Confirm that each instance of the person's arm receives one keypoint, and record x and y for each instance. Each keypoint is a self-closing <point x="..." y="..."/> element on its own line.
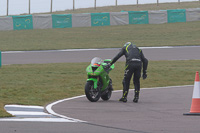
<point x="120" y="54"/>
<point x="145" y="65"/>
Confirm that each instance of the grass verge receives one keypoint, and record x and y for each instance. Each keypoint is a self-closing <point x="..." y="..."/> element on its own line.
<point x="40" y="84"/>
<point x="140" y="7"/>
<point x="174" y="34"/>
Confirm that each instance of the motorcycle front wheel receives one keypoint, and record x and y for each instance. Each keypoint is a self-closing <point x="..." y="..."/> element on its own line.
<point x="92" y="94"/>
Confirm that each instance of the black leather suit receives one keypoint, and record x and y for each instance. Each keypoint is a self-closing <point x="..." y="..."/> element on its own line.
<point x="134" y="62"/>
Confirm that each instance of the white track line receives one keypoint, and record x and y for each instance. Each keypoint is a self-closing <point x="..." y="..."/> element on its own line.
<point x="61" y="118"/>
<point x="72" y="50"/>
<point x="31" y="114"/>
<point x="50" y="110"/>
<point x="16" y="113"/>
<point x="64" y="50"/>
<point x="38" y="120"/>
<point x="47" y="116"/>
<point x="24" y="106"/>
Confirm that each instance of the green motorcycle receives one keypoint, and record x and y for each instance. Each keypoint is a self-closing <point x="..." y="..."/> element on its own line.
<point x="98" y="83"/>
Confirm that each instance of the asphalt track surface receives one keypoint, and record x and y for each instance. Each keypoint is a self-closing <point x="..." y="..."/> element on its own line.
<point x="160" y="110"/>
<point x="60" y="56"/>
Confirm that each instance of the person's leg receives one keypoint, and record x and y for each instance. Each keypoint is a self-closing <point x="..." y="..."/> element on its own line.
<point x="126" y="82"/>
<point x="125" y="91"/>
<point x="136" y="81"/>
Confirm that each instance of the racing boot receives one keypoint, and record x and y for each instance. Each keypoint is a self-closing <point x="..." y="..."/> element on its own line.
<point x="124" y="97"/>
<point x="136" y="97"/>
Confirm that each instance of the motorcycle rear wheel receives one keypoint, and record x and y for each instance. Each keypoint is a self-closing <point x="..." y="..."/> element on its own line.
<point x="92" y="94"/>
<point x="106" y="96"/>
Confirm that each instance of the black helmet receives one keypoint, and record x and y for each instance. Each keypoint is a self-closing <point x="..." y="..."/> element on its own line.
<point x="127" y="43"/>
<point x="130" y="43"/>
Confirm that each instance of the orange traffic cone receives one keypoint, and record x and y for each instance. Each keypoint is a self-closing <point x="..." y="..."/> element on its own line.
<point x="195" y="107"/>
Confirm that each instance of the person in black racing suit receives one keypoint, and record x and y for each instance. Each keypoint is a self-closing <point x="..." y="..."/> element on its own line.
<point x="134" y="61"/>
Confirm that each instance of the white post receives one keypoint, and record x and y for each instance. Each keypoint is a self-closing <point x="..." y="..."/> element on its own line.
<point x="95" y="4"/>
<point x="29" y="7"/>
<point x="116" y="3"/>
<point x="73" y="5"/>
<point x="51" y="10"/>
<point x="7" y="6"/>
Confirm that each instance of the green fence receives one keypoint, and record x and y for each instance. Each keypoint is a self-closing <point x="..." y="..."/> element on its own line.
<point x="62" y="20"/>
<point x="138" y="17"/>
<point x="100" y="19"/>
<point x="22" y="22"/>
<point x="176" y="15"/>
<point x="0" y="59"/>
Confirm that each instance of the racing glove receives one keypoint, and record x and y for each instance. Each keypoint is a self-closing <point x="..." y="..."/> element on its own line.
<point x="107" y="66"/>
<point x="144" y="75"/>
